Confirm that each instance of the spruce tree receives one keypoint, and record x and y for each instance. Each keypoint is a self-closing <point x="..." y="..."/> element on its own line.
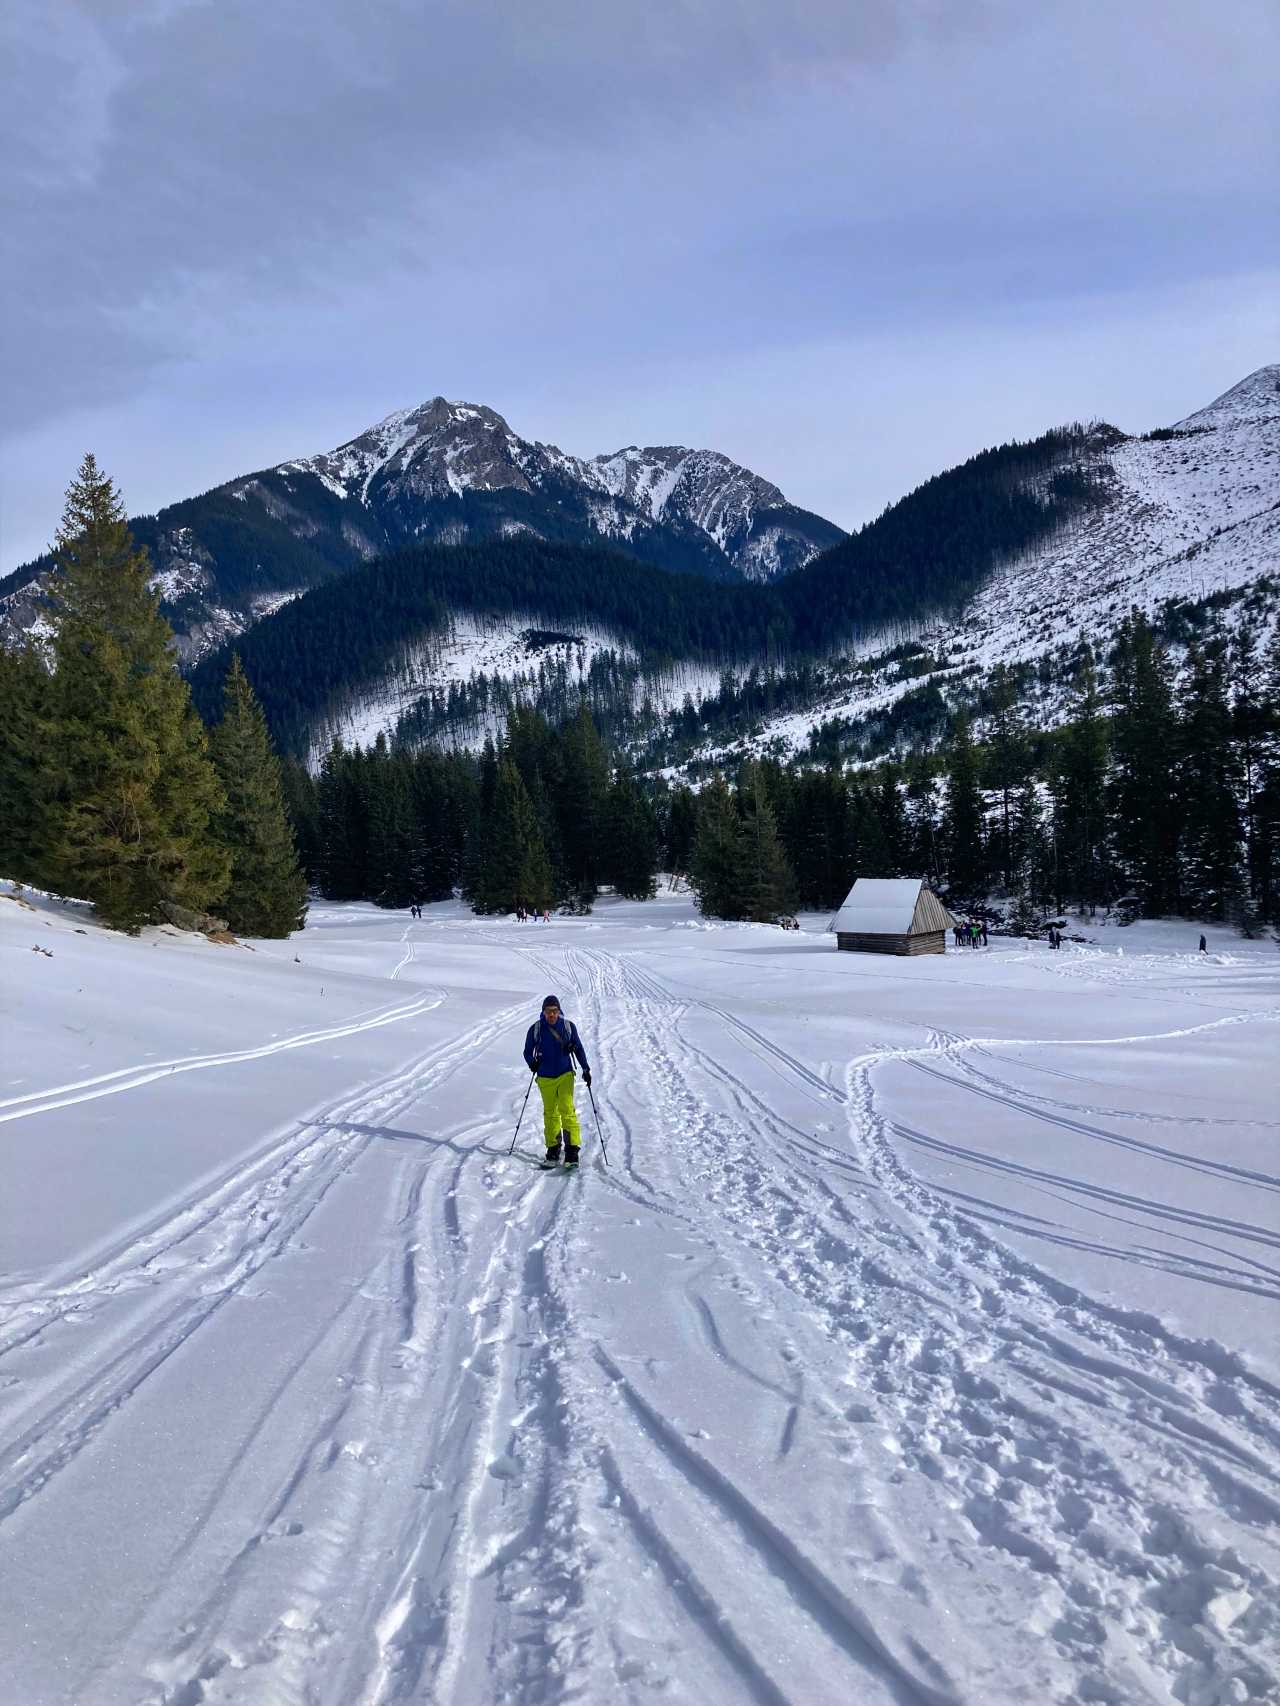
<point x="302" y="808"/>
<point x="1143" y="802"/>
<point x="769" y="887"/>
<point x="24" y="710"/>
<point x="872" y="856"/>
<point x="344" y="825"/>
<point x="517" y="868"/>
<point x="1007" y="762"/>
<point x="267" y="893"/>
<point x="717" y="871"/>
<point x="922" y="821"/>
<point x="132" y="790"/>
<point x="1266" y="820"/>
<point x="682" y="827"/>
<point x="1208" y="786"/>
<point x="581" y="805"/>
<point x="630" y="832"/>
<point x="963" y="819"/>
<point x="893" y="820"/>
<point x="1078" y="789"/>
<point x="391" y="876"/>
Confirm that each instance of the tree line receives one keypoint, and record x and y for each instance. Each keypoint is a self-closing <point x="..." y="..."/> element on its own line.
<point x="1159" y="793"/>
<point x="111" y="788"/>
<point x="544" y="817"/>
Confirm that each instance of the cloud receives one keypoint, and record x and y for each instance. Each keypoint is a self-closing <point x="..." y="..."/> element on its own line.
<point x="279" y="213"/>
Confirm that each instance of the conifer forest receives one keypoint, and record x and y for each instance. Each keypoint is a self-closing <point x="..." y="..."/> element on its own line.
<point x="1158" y="791"/>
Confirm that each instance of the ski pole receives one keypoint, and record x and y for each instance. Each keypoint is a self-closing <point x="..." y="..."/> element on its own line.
<point x="599" y="1133"/>
<point x="515" y="1134"/>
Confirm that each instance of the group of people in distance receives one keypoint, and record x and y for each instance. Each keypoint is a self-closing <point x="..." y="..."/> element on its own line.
<point x="524" y="914"/>
<point x="971" y="935"/>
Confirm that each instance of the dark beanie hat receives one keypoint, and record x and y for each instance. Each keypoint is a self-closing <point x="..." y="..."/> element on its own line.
<point x="551" y="1001"/>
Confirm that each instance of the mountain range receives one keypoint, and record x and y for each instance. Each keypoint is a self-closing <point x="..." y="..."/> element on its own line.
<point x="448" y="472"/>
<point x="421" y="576"/>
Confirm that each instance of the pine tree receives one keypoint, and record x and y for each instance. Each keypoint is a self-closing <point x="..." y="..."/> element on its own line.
<point x="1078" y="790"/>
<point x="302" y="808"/>
<point x="517" y="868"/>
<point x="717" y="871"/>
<point x="1007" y="762"/>
<point x="631" y="840"/>
<point x="1143" y="727"/>
<point x="24" y="711"/>
<point x="963" y="820"/>
<point x="893" y="820"/>
<point x="1248" y="727"/>
<point x="682" y="827"/>
<point x="267" y="894"/>
<point x="132" y="789"/>
<point x="1208" y="788"/>
<point x="344" y="826"/>
<point x="769" y="888"/>
<point x="923" y="831"/>
<point x="581" y="805"/>
<point x="1025" y="918"/>
<point x="872" y="856"/>
<point x="1266" y="819"/>
<point x="391" y="875"/>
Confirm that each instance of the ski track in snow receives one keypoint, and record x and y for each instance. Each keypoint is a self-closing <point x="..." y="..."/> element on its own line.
<point x="471" y="1480"/>
<point x="133" y="1077"/>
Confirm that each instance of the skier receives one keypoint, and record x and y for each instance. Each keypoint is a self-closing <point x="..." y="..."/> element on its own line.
<point x="550" y="1048"/>
<point x="1204" y="946"/>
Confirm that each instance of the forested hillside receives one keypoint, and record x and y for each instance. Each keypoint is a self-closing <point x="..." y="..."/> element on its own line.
<point x="924" y="555"/>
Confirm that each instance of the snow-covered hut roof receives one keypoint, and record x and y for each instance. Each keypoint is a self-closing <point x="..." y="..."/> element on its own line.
<point x="890" y="906"/>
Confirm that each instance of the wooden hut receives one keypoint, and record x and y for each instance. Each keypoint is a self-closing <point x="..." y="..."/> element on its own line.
<point x="892" y="915"/>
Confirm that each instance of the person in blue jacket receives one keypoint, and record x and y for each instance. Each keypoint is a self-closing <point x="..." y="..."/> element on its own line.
<point x="550" y="1049"/>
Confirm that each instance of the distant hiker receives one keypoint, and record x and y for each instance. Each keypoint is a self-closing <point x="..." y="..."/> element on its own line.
<point x="546" y="915"/>
<point x="550" y="1048"/>
<point x="959" y="934"/>
<point x="1204" y="946"/>
<point x="984" y="932"/>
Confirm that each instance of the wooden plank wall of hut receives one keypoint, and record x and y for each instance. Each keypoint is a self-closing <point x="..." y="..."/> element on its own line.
<point x="930" y="942"/>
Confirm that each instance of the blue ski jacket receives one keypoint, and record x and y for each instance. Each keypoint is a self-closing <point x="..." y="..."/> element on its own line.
<point x="552" y="1048"/>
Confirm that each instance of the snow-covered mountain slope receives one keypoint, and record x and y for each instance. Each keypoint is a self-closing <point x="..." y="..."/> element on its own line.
<point x="1191" y="511"/>
<point x="417" y="457"/>
<point x="512" y="649"/>
<point x="916" y="1347"/>
<point x="447" y="472"/>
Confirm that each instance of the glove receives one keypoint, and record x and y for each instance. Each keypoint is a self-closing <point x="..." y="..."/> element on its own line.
<point x="586" y="1076"/>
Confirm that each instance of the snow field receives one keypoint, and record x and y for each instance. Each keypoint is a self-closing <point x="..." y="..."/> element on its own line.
<point x="917" y="1345"/>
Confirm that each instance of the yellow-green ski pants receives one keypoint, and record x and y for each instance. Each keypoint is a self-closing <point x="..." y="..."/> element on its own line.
<point x="558" y="1112"/>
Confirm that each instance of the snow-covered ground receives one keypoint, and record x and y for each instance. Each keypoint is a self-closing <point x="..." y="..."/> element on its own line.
<point x="918" y="1344"/>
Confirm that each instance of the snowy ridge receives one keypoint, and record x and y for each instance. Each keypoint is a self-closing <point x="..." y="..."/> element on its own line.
<point x="1189" y="514"/>
<point x="702" y="487"/>
<point x="443" y="449"/>
<point x="957" y="1385"/>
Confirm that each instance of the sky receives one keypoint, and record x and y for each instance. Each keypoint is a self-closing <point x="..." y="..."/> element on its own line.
<point x="846" y="244"/>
